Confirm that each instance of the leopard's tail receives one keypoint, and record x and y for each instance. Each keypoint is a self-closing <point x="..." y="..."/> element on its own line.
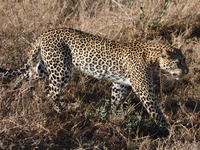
<point x="25" y="67"/>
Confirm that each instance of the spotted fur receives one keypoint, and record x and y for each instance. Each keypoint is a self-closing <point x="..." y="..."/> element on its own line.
<point x="124" y="64"/>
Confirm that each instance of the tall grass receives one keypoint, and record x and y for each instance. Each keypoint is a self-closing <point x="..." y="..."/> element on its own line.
<point x="27" y="118"/>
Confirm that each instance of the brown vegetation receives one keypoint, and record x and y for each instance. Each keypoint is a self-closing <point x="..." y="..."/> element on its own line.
<point x="27" y="119"/>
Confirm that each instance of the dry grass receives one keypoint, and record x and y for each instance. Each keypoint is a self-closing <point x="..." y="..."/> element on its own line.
<point x="27" y="120"/>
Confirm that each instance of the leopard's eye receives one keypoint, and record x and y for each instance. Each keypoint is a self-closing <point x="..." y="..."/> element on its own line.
<point x="179" y="65"/>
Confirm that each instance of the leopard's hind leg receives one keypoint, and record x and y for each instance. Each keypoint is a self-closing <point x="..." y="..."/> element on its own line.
<point x="59" y="74"/>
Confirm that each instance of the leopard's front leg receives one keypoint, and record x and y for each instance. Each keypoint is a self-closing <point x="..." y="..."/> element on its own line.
<point x="142" y="84"/>
<point x="150" y="103"/>
<point x="117" y="94"/>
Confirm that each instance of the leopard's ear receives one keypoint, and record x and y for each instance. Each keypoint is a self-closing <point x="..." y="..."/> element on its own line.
<point x="178" y="46"/>
<point x="164" y="53"/>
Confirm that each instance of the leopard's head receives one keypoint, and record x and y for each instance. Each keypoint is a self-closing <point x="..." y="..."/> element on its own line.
<point x="173" y="61"/>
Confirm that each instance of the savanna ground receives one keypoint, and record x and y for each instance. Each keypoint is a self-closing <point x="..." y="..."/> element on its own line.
<point x="27" y="120"/>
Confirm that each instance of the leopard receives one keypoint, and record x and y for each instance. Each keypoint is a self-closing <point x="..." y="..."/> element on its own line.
<point x="125" y="64"/>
